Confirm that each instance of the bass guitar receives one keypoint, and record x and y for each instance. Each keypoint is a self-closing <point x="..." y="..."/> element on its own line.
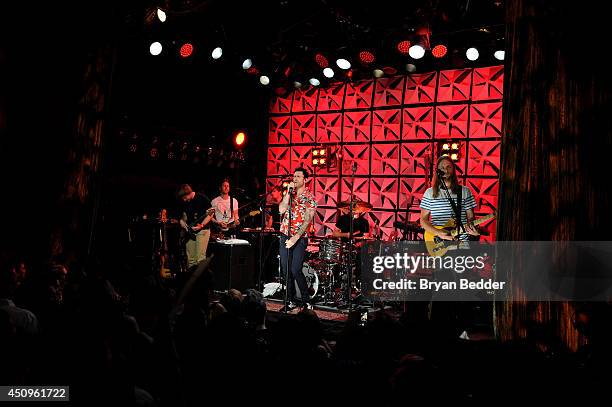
<point x="190" y="230"/>
<point x="436" y="246"/>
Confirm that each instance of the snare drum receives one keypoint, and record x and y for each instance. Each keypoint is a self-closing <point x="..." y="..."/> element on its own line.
<point x="331" y="251"/>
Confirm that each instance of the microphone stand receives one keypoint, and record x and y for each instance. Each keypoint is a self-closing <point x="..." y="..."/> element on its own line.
<point x="289" y="253"/>
<point x="351" y="241"/>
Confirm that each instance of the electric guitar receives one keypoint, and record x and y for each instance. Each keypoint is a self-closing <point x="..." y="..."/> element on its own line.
<point x="231" y="225"/>
<point x="436" y="246"/>
<point x="190" y="230"/>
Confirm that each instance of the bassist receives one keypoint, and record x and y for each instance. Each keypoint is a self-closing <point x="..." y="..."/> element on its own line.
<point x="194" y="206"/>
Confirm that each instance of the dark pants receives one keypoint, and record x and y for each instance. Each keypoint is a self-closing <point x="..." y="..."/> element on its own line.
<point x="295" y="272"/>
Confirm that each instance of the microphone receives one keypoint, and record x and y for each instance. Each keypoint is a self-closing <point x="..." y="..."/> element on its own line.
<point x="440" y="173"/>
<point x="290" y="190"/>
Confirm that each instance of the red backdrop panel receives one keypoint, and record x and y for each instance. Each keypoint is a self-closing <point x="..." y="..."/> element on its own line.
<point x="325" y="221"/>
<point x="451" y="121"/>
<point x="359" y="95"/>
<point x="383" y="193"/>
<point x="418" y="123"/>
<point x="303" y="129"/>
<point x="488" y="83"/>
<point x="411" y="192"/>
<point x="301" y="157"/>
<point x="484" y="158"/>
<point x="385" y="159"/>
<point x="331" y="98"/>
<point x="360" y="154"/>
<point x="454" y="85"/>
<point x="421" y="88"/>
<point x="485" y="192"/>
<point x="486" y="120"/>
<point x="280" y="130"/>
<point x="329" y="127"/>
<point x="386" y="125"/>
<point x="356" y="127"/>
<point x="279" y="161"/>
<point x="415" y="158"/>
<point x="281" y="104"/>
<point x="326" y="191"/>
<point x="389" y="91"/>
<point x="384" y="219"/>
<point x="361" y="189"/>
<point x="305" y="100"/>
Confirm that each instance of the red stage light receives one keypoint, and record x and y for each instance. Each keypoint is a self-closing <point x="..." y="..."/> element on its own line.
<point x="186" y="50"/>
<point x="321" y="61"/>
<point x="439" y="51"/>
<point x="366" y="57"/>
<point x="239" y="139"/>
<point x="253" y="71"/>
<point x="403" y="46"/>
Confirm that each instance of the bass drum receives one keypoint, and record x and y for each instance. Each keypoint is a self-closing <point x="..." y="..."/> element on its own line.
<point x="312" y="280"/>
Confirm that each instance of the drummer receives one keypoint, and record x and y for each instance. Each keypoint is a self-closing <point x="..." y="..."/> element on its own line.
<point x="361" y="227"/>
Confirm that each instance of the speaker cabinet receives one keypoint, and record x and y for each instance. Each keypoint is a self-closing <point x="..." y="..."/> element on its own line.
<point x="232" y="266"/>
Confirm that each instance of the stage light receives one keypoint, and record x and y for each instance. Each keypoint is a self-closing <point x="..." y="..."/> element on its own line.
<point x="217" y="53"/>
<point x="389" y="70"/>
<point x="445" y="146"/>
<point x="155" y="48"/>
<point x="322" y="151"/>
<point x="499" y="55"/>
<point x="322" y="161"/>
<point x="416" y="51"/>
<point x="186" y="50"/>
<point x="403" y="47"/>
<point x="314" y="81"/>
<point x="315" y="161"/>
<point x="297" y="84"/>
<point x="454" y="146"/>
<point x="247" y="63"/>
<point x="321" y="61"/>
<point x="439" y="51"/>
<point x="472" y="54"/>
<point x="239" y="139"/>
<point x="411" y="68"/>
<point x="450" y="149"/>
<point x="252" y="71"/>
<point x="161" y="14"/>
<point x="264" y="80"/>
<point x="366" y="57"/>
<point x="315" y="153"/>
<point x="328" y="73"/>
<point x="454" y="156"/>
<point x="378" y="73"/>
<point x="343" y="63"/>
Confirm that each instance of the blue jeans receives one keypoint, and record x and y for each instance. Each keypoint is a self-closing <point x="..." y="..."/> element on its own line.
<point x="295" y="273"/>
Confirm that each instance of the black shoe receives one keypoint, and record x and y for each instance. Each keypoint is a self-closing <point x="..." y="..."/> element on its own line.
<point x="307" y="305"/>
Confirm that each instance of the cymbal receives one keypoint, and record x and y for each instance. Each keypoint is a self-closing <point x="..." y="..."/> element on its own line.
<point x="364" y="238"/>
<point x="358" y="206"/>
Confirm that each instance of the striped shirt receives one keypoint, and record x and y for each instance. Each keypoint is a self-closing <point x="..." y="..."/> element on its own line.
<point x="442" y="211"/>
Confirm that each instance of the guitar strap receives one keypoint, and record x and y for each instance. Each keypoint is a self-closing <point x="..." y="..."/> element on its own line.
<point x="458" y="214"/>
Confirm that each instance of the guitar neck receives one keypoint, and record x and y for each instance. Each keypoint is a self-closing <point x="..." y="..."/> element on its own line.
<point x="483" y="219"/>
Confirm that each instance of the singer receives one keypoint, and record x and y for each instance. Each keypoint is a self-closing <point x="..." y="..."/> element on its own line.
<point x="435" y="205"/>
<point x="294" y="240"/>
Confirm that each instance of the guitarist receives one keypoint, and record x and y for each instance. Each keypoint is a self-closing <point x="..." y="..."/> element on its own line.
<point x="436" y="210"/>
<point x="194" y="206"/>
<point x="226" y="208"/>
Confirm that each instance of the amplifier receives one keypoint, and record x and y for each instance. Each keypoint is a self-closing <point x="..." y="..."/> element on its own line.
<point x="232" y="266"/>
